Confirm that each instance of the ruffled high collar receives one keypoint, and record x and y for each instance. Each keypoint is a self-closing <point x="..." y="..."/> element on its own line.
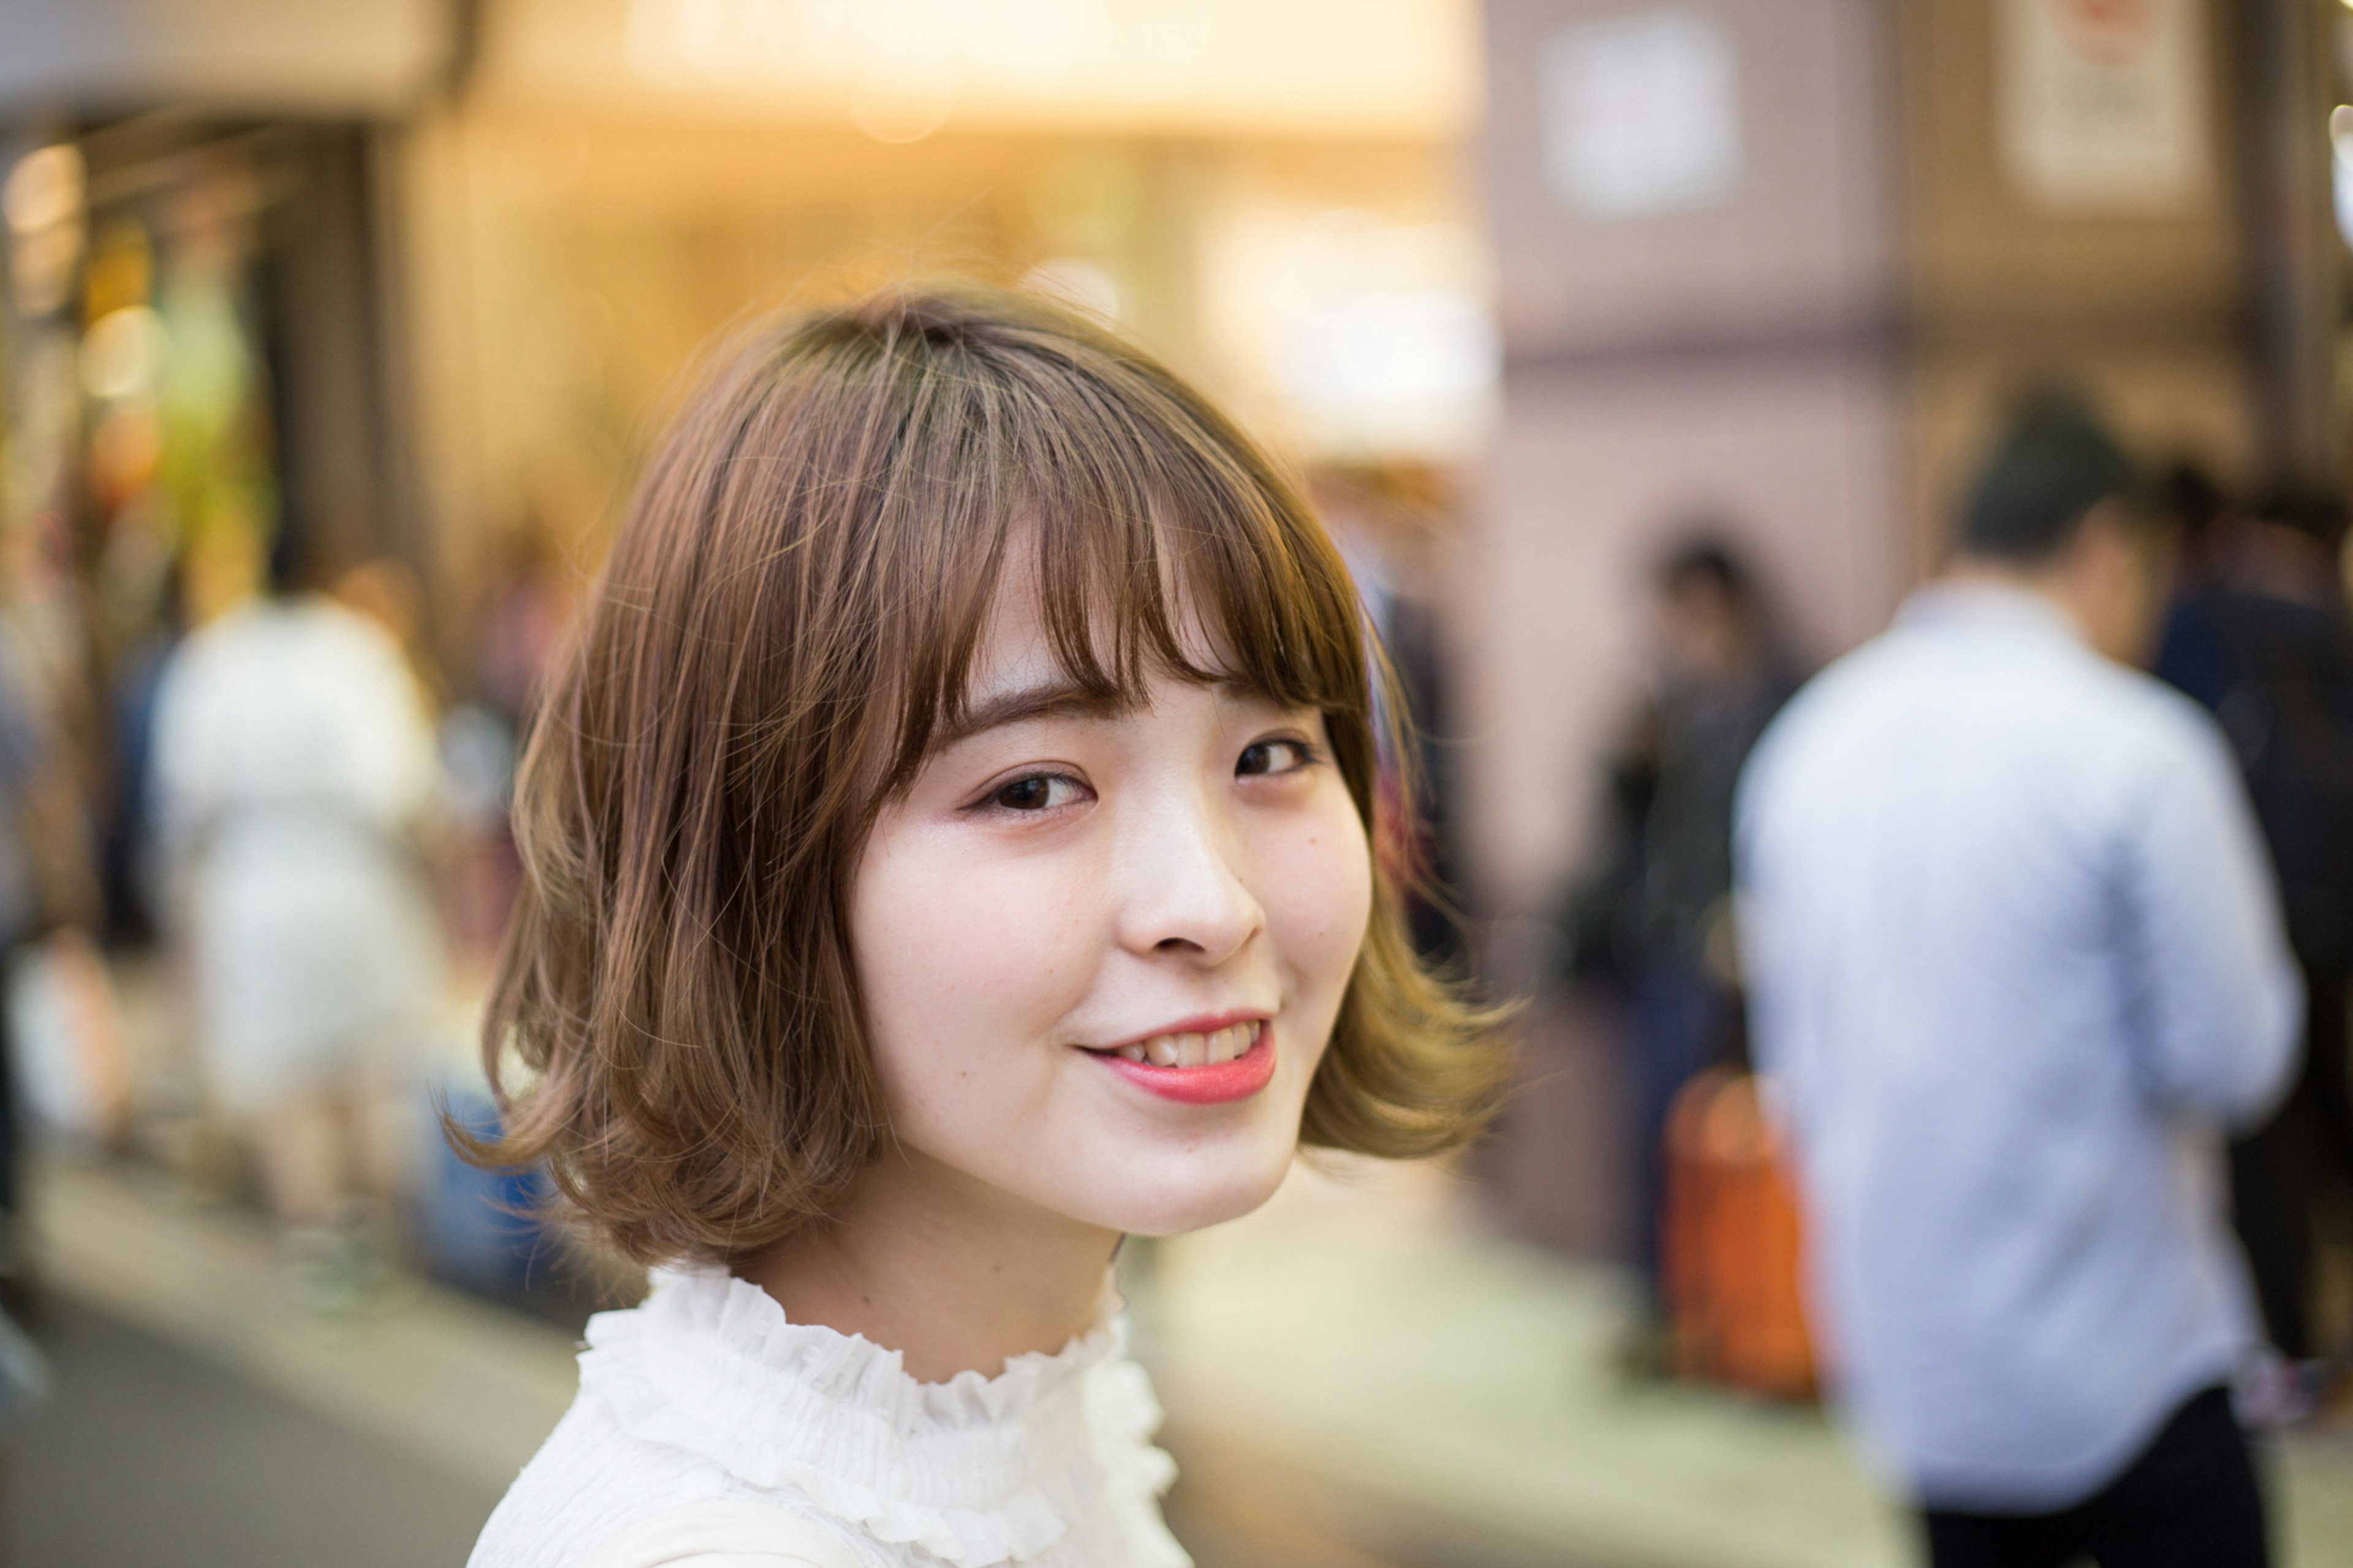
<point x="975" y="1470"/>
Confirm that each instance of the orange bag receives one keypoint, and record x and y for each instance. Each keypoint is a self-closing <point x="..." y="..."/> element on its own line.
<point x="1731" y="1243"/>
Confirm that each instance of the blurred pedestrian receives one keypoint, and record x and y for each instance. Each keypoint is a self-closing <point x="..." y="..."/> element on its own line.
<point x="390" y="594"/>
<point x="527" y="610"/>
<point x="1657" y="915"/>
<point x="48" y="885"/>
<point x="293" y="760"/>
<point x="2261" y="642"/>
<point x="526" y="613"/>
<point x="1386" y="521"/>
<point x="2015" y="961"/>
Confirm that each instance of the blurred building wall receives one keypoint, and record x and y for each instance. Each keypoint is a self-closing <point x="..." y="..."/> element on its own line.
<point x="1714" y="335"/>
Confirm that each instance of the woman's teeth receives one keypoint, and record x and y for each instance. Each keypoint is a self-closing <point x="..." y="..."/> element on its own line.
<point x="1193" y="1050"/>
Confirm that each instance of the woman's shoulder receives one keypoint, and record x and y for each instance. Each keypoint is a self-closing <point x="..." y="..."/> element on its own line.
<point x="613" y="1487"/>
<point x="590" y="1484"/>
<point x="705" y="1396"/>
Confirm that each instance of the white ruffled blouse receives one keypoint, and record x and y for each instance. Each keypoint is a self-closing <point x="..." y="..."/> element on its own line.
<point x="705" y="1398"/>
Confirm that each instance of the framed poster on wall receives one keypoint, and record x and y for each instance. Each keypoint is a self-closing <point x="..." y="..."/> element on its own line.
<point x="2103" y="104"/>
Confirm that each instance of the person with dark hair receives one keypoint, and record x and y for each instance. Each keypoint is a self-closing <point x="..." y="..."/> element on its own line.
<point x="2015" y="962"/>
<point x="2263" y="642"/>
<point x="1656" y="916"/>
<point x="2186" y="498"/>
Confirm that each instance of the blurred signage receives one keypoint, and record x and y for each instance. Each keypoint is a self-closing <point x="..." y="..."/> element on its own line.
<point x="1642" y="114"/>
<point x="337" y="56"/>
<point x="2103" y="102"/>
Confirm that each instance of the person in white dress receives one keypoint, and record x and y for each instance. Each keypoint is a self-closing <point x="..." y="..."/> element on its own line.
<point x="946" y="851"/>
<point x="293" y="759"/>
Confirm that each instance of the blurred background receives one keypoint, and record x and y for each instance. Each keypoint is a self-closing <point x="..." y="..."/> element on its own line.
<point x="1621" y="343"/>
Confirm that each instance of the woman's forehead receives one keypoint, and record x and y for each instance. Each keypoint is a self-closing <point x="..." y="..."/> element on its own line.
<point x="1038" y="687"/>
<point x="1017" y="673"/>
<point x="1017" y="645"/>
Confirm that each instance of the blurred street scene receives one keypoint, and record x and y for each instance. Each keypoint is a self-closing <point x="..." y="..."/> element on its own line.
<point x="1639" y="354"/>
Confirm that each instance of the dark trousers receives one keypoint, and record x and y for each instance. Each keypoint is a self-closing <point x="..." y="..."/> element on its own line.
<point x="2188" y="1502"/>
<point x="1678" y="1029"/>
<point x="2280" y="1172"/>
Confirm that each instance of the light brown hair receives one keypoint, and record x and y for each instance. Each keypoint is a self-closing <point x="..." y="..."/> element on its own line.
<point x="780" y="638"/>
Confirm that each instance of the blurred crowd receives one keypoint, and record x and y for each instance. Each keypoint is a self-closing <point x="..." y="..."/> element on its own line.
<point x="1981" y="960"/>
<point x="307" y="829"/>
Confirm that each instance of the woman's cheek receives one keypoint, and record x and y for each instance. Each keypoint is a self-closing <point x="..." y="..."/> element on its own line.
<point x="1320" y="894"/>
<point x="963" y="954"/>
<point x="989" y="937"/>
<point x="1029" y="922"/>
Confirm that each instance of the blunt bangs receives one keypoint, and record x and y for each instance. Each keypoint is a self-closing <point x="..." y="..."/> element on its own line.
<point x="1138" y="512"/>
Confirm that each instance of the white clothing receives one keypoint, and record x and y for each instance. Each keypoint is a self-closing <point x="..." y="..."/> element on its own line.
<point x="2014" y="957"/>
<point x="706" y="1401"/>
<point x="726" y="1535"/>
<point x="291" y="753"/>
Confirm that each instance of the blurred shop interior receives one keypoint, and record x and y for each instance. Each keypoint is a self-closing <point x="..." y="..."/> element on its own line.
<point x="1526" y="290"/>
<point x="417" y="280"/>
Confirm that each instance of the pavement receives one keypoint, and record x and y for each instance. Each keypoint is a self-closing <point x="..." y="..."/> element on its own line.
<point x="1358" y="1377"/>
<point x="1363" y="1323"/>
<point x="151" y="1455"/>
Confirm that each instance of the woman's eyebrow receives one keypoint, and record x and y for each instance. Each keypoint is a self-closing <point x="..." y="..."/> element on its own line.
<point x="1061" y="699"/>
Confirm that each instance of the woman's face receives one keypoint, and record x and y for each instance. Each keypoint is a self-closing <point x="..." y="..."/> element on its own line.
<point x="1102" y="950"/>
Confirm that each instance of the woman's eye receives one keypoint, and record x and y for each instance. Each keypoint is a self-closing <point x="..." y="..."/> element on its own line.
<point x="1036" y="792"/>
<point x="1273" y="757"/>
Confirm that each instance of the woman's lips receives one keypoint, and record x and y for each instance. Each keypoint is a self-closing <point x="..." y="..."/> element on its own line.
<point x="1210" y="1082"/>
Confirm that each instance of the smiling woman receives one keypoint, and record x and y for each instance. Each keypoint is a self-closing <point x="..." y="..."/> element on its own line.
<point x="946" y="851"/>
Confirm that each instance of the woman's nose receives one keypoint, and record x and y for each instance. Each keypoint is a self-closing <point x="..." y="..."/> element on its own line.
<point x="1184" y="891"/>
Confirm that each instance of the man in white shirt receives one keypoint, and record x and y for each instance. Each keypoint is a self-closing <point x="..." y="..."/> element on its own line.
<point x="2015" y="962"/>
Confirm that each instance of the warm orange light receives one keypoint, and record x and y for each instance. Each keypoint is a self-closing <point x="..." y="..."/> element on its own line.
<point x="1380" y="67"/>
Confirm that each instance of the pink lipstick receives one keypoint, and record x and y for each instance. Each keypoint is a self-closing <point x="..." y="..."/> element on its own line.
<point x="1208" y="1083"/>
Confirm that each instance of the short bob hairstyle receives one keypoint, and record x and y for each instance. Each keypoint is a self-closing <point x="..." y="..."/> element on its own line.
<point x="780" y="638"/>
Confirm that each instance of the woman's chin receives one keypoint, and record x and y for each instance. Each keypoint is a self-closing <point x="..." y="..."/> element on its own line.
<point x="1181" y="1206"/>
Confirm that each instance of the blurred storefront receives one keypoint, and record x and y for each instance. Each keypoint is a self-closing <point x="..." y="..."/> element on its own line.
<point x="194" y="334"/>
<point x="419" y="279"/>
<point x="196" y="306"/>
<point x="1272" y="197"/>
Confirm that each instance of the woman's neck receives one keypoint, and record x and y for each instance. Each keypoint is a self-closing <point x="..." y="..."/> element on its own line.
<point x="952" y="1274"/>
